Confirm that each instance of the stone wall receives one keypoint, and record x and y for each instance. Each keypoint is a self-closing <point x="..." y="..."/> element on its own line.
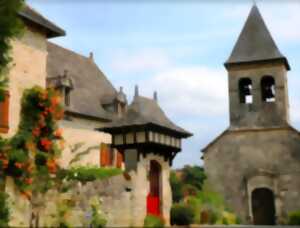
<point x="242" y="161"/>
<point x="28" y="69"/>
<point x="83" y="131"/>
<point x="254" y="115"/>
<point x="122" y="200"/>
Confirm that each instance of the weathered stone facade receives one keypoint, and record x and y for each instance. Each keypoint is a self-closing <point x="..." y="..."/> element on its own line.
<point x="76" y="131"/>
<point x="23" y="74"/>
<point x="258" y="156"/>
<point x="242" y="161"/>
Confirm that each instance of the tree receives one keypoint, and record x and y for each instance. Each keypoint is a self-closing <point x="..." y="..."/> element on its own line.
<point x="193" y="175"/>
<point x="176" y="187"/>
<point x="10" y="27"/>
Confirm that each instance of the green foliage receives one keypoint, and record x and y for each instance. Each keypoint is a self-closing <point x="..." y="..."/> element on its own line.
<point x="193" y="175"/>
<point x="195" y="204"/>
<point x="188" y="182"/>
<point x="98" y="220"/>
<point x="85" y="173"/>
<point x="176" y="186"/>
<point x="4" y="210"/>
<point x="10" y="27"/>
<point x="189" y="190"/>
<point x="181" y="214"/>
<point x="153" y="221"/>
<point x="294" y="218"/>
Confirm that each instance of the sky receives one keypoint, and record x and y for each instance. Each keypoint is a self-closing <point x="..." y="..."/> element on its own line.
<point x="177" y="48"/>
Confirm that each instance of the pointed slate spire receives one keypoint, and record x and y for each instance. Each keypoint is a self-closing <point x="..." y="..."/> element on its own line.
<point x="255" y="43"/>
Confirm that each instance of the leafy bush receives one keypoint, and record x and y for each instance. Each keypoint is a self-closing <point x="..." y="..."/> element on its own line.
<point x="153" y="221"/>
<point x="98" y="221"/>
<point x="181" y="214"/>
<point x="189" y="190"/>
<point x="193" y="175"/>
<point x="176" y="186"/>
<point x="4" y="210"/>
<point x="189" y="181"/>
<point x="85" y="174"/>
<point x="294" y="218"/>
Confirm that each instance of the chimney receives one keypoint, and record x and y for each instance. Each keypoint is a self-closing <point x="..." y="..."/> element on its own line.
<point x="155" y="96"/>
<point x="136" y="91"/>
<point x="91" y="57"/>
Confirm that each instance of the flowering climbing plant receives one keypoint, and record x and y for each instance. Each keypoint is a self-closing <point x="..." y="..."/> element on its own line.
<point x="30" y="157"/>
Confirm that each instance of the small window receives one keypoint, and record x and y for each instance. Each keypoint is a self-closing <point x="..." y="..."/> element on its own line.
<point x="107" y="155"/>
<point x="4" y="113"/>
<point x="268" y="89"/>
<point x="67" y="97"/>
<point x="245" y="91"/>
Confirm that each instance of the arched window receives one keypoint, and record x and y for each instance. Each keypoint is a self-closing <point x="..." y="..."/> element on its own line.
<point x="245" y="91"/>
<point x="268" y="89"/>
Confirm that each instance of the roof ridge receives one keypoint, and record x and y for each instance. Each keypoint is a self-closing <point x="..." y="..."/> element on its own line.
<point x="31" y="14"/>
<point x="69" y="50"/>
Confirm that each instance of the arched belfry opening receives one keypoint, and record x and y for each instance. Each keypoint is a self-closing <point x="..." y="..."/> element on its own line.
<point x="245" y="91"/>
<point x="268" y="89"/>
<point x="263" y="206"/>
<point x="155" y="189"/>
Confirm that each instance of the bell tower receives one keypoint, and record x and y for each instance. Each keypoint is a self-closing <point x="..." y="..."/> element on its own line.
<point x="257" y="76"/>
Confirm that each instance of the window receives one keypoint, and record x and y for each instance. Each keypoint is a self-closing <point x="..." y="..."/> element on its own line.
<point x="245" y="91"/>
<point x="67" y="96"/>
<point x="107" y="155"/>
<point x="4" y="113"/>
<point x="268" y="89"/>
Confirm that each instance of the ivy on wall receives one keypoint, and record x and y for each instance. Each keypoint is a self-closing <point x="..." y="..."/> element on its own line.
<point x="30" y="157"/>
<point x="10" y="27"/>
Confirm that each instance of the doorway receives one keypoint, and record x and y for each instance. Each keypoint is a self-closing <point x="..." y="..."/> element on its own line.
<point x="154" y="196"/>
<point x="263" y="207"/>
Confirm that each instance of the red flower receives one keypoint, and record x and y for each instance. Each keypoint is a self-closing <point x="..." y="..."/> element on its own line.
<point x="19" y="165"/>
<point x="52" y="166"/>
<point x="46" y="143"/>
<point x="36" y="132"/>
<point x="55" y="101"/>
<point x="4" y="163"/>
<point x="58" y="133"/>
<point x="28" y="181"/>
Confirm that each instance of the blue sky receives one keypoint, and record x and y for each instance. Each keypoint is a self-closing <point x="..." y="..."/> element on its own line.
<point x="177" y="48"/>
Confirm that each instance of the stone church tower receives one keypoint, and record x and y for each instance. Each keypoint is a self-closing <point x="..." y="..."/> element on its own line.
<point x="255" y="163"/>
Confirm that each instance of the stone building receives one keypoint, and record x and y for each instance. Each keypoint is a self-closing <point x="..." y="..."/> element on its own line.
<point x="255" y="163"/>
<point x="91" y="103"/>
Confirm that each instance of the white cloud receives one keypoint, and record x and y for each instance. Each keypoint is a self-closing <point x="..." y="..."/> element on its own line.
<point x="140" y="61"/>
<point x="190" y="91"/>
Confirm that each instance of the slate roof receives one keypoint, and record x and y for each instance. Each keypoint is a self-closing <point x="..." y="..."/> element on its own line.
<point x="145" y="111"/>
<point x="33" y="16"/>
<point x="89" y="84"/>
<point x="255" y="43"/>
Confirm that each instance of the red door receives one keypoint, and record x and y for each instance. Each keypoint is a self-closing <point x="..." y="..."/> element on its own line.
<point x="153" y="198"/>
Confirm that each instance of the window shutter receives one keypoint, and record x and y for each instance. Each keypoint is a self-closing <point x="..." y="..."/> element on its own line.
<point x="103" y="155"/>
<point x="119" y="159"/>
<point x="4" y="114"/>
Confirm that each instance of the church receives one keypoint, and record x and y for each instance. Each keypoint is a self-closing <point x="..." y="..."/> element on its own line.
<point x="255" y="162"/>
